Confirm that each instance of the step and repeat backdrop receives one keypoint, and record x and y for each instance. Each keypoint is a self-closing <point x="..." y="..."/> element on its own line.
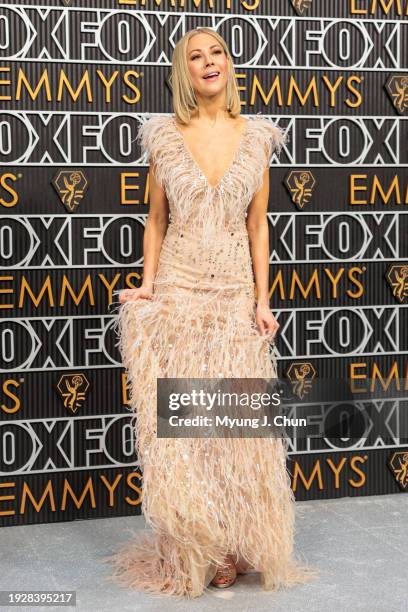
<point x="76" y="78"/>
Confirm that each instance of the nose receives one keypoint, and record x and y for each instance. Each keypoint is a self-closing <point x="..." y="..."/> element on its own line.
<point x="208" y="60"/>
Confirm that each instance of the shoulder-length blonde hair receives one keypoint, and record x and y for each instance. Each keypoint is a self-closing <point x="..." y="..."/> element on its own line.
<point x="184" y="100"/>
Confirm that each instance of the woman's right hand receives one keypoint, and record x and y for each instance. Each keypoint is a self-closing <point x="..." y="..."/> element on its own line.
<point x="130" y="295"/>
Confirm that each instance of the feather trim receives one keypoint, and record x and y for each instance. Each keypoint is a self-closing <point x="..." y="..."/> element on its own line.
<point x="153" y="148"/>
<point x="275" y="136"/>
<point x="162" y="145"/>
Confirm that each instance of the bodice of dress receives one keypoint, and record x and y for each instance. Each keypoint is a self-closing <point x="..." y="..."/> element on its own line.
<point x="195" y="204"/>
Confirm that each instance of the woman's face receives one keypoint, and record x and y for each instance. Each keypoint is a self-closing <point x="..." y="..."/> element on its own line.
<point x="205" y="56"/>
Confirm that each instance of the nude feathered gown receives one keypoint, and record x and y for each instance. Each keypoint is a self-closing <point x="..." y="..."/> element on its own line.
<point x="204" y="498"/>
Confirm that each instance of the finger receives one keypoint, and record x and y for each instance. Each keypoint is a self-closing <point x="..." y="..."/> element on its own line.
<point x="268" y="329"/>
<point x="261" y="327"/>
<point x="275" y="331"/>
<point x="127" y="297"/>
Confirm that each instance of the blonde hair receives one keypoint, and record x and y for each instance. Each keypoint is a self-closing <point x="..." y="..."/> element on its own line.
<point x="184" y="99"/>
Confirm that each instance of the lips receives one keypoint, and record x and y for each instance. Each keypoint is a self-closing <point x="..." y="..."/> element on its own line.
<point x="211" y="75"/>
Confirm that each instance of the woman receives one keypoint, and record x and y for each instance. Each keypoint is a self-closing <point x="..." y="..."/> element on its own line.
<point x="217" y="507"/>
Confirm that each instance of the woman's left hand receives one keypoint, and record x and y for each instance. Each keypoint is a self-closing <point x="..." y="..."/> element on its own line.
<point x="266" y="322"/>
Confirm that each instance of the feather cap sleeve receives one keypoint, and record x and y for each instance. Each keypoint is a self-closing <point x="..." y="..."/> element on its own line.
<point x="272" y="136"/>
<point x="150" y="136"/>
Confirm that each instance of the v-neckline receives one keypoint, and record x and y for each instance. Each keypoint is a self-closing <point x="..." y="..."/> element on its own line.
<point x="196" y="164"/>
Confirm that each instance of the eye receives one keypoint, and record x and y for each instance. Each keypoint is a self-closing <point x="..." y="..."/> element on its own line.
<point x="193" y="57"/>
<point x="218" y="51"/>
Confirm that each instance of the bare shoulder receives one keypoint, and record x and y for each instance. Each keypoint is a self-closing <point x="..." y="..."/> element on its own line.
<point x="241" y="121"/>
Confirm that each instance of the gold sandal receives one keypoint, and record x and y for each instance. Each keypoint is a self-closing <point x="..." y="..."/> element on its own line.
<point x="225" y="576"/>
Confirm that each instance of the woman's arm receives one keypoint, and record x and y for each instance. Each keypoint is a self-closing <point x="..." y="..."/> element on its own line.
<point x="258" y="232"/>
<point x="155" y="230"/>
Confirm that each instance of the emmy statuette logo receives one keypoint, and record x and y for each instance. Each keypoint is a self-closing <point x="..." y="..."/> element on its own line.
<point x="301" y="6"/>
<point x="73" y="389"/>
<point x="300" y="184"/>
<point x="301" y="376"/>
<point x="398" y="464"/>
<point x="397" y="277"/>
<point x="71" y="186"/>
<point x="397" y="89"/>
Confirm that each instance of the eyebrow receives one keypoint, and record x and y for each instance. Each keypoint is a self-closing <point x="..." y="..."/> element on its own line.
<point x="217" y="45"/>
